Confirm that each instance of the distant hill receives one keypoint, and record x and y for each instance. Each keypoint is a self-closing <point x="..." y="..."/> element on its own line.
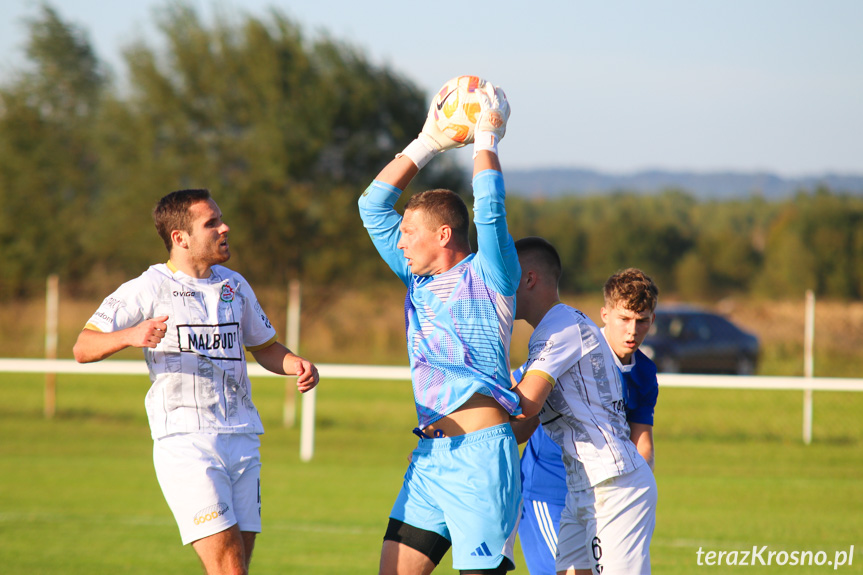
<point x="554" y="182"/>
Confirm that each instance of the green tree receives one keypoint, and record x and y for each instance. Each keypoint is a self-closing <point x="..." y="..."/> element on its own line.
<point x="729" y="245"/>
<point x="815" y="244"/>
<point x="648" y="232"/>
<point x="285" y="132"/>
<point x="48" y="163"/>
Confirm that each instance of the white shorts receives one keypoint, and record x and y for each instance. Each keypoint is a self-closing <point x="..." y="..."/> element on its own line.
<point x="210" y="481"/>
<point x="608" y="528"/>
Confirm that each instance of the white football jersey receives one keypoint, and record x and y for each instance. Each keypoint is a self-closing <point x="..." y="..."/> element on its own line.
<point x="198" y="371"/>
<point x="584" y="412"/>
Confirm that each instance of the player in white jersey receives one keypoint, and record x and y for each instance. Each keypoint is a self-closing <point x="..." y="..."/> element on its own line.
<point x="630" y="298"/>
<point x="462" y="487"/>
<point x="192" y="317"/>
<point x="573" y="385"/>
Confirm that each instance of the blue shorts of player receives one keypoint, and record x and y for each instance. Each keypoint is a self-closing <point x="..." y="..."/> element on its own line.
<point x="537" y="531"/>
<point x="467" y="490"/>
<point x="544" y="491"/>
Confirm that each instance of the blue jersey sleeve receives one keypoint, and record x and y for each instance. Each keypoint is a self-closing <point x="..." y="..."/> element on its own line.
<point x="496" y="255"/>
<point x="642" y="390"/>
<point x="382" y="221"/>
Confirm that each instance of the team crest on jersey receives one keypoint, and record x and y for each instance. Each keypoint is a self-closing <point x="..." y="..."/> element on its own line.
<point x="227" y="294"/>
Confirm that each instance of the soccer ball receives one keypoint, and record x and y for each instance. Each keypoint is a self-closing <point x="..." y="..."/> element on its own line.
<point x="456" y="108"/>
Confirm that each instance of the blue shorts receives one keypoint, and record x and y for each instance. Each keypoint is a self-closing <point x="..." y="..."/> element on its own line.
<point x="537" y="531"/>
<point x="467" y="489"/>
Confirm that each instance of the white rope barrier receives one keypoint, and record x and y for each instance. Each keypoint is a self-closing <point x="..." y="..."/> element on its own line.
<point x="396" y="373"/>
<point x="399" y="373"/>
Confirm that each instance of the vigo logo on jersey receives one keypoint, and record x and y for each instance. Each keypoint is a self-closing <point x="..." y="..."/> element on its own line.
<point x="220" y="341"/>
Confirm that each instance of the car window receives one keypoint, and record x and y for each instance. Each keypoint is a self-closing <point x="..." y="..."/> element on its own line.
<point x="722" y="327"/>
<point x="697" y="328"/>
<point x="692" y="326"/>
<point x="667" y="325"/>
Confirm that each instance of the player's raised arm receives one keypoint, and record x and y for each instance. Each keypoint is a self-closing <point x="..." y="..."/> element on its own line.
<point x="432" y="140"/>
<point x="455" y="102"/>
<point x="494" y="243"/>
<point x="490" y="128"/>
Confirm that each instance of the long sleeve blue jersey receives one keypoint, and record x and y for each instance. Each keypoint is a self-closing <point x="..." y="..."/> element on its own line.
<point x="459" y="322"/>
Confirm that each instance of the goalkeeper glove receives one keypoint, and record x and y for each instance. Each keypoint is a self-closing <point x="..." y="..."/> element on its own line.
<point x="431" y="140"/>
<point x="491" y="124"/>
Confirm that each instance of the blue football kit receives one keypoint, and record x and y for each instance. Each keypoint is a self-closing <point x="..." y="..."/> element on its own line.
<point x="458" y="327"/>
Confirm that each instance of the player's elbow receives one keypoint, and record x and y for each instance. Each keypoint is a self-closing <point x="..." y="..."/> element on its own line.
<point x="529" y="408"/>
<point x="81" y="351"/>
<point x="79" y="355"/>
<point x="532" y="393"/>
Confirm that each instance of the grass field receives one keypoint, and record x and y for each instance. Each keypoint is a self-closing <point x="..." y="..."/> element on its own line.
<point x="78" y="493"/>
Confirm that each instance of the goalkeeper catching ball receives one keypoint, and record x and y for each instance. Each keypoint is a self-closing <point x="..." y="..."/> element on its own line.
<point x="462" y="487"/>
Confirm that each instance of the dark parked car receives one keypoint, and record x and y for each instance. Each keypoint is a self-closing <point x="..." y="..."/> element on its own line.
<point x="687" y="339"/>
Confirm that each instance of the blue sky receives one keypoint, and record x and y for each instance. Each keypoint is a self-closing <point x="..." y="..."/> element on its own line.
<point x="757" y="85"/>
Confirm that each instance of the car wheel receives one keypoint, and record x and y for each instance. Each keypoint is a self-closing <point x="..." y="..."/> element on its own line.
<point x="669" y="365"/>
<point x="745" y="366"/>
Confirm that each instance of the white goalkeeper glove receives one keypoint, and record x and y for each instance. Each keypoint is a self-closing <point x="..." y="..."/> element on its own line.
<point x="491" y="124"/>
<point x="431" y="140"/>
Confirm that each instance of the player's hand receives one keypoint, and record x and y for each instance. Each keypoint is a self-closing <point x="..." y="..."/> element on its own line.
<point x="307" y="375"/>
<point x="494" y="111"/>
<point x="149" y="332"/>
<point x="432" y="137"/>
<point x="431" y="141"/>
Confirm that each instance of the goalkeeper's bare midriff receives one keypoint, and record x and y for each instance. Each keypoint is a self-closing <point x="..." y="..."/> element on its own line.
<point x="478" y="412"/>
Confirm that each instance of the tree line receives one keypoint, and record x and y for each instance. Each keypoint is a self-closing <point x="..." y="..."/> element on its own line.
<point x="286" y="131"/>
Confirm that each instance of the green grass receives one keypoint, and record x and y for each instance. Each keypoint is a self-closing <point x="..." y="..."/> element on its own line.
<point x="78" y="493"/>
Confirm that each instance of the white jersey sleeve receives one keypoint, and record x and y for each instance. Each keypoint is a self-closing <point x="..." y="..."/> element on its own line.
<point x="555" y="347"/>
<point x="128" y="306"/>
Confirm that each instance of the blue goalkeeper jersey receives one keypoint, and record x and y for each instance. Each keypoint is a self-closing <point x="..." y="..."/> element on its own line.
<point x="459" y="322"/>
<point x="543" y="475"/>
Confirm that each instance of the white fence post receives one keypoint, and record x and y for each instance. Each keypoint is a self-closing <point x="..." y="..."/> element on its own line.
<point x="289" y="410"/>
<point x="808" y="365"/>
<point x="307" y="431"/>
<point x="52" y="309"/>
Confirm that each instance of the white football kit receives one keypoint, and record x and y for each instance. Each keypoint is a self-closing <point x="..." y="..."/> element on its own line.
<point x="585" y="414"/>
<point x="200" y="388"/>
<point x="198" y="371"/>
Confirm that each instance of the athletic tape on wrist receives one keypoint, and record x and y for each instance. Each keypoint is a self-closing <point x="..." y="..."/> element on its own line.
<point x="484" y="141"/>
<point x="419" y="153"/>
